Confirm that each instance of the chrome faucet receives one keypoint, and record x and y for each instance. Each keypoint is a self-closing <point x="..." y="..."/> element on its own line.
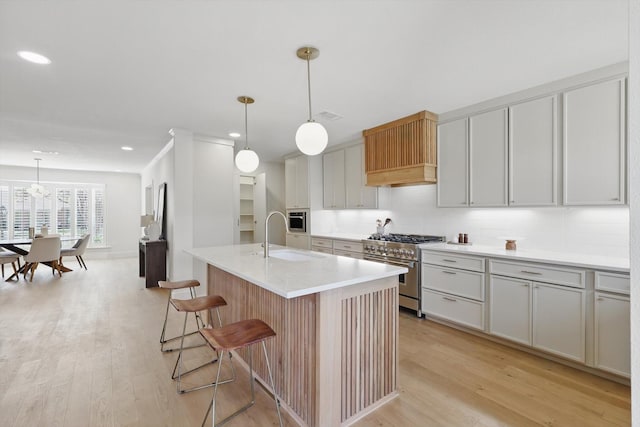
<point x="266" y="230"/>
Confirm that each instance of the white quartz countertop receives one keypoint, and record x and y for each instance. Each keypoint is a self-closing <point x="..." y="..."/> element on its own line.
<point x="341" y="236"/>
<point x="314" y="272"/>
<point x="595" y="262"/>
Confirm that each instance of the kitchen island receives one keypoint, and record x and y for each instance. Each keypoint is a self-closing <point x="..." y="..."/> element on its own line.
<point x="336" y="320"/>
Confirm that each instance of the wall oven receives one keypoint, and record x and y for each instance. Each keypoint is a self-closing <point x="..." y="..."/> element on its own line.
<point x="297" y="220"/>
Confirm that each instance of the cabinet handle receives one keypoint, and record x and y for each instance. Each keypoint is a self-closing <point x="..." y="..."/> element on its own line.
<point x="615" y="199"/>
<point x="347" y="246"/>
<point x="448" y="272"/>
<point x="449" y="299"/>
<point x="531" y="272"/>
<point x="449" y="260"/>
<point x="600" y="299"/>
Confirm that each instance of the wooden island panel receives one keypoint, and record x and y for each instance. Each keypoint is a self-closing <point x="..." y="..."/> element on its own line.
<point x="334" y="357"/>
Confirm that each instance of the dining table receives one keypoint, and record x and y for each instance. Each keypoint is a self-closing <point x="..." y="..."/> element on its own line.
<point x="17" y="245"/>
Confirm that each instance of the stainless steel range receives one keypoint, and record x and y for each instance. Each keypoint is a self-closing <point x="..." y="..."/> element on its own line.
<point x="402" y="250"/>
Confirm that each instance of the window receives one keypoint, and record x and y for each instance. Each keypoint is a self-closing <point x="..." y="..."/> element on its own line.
<point x="5" y="204"/>
<point x="68" y="210"/>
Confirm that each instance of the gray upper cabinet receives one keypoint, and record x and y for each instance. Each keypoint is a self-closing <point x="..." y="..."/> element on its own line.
<point x="594" y="144"/>
<point x="453" y="178"/>
<point x="532" y="153"/>
<point x="296" y="180"/>
<point x="333" y="183"/>
<point x="488" y="159"/>
<point x="358" y="195"/>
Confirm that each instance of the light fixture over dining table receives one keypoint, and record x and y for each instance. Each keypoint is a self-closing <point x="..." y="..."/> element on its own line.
<point x="311" y="137"/>
<point x="246" y="160"/>
<point x="36" y="190"/>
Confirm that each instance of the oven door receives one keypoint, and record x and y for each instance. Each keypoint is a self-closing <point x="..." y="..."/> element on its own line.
<point x="297" y="222"/>
<point x="409" y="285"/>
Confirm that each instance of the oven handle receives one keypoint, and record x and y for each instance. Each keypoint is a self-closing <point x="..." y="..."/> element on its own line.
<point x="408" y="264"/>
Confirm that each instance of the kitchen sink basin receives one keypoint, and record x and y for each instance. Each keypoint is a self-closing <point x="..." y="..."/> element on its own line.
<point x="289" y="255"/>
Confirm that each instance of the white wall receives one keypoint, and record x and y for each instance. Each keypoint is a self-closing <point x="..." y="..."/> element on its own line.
<point x="596" y="230"/>
<point x="198" y="171"/>
<point x="634" y="195"/>
<point x="122" y="202"/>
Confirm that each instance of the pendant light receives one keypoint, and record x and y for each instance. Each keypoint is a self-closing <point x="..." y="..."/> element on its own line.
<point x="311" y="137"/>
<point x="246" y="160"/>
<point x="36" y="190"/>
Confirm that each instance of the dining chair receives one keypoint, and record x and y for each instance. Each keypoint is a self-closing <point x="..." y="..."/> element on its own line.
<point x="43" y="249"/>
<point x="7" y="257"/>
<point x="77" y="250"/>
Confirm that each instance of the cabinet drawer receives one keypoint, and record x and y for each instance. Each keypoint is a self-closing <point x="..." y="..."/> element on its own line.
<point x="612" y="282"/>
<point x="321" y="242"/>
<point x="452" y="281"/>
<point x="357" y="255"/>
<point x="321" y="249"/>
<point x="459" y="310"/>
<point x="346" y="245"/>
<point x="539" y="273"/>
<point x="454" y="261"/>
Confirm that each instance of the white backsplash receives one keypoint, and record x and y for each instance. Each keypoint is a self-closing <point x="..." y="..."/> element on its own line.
<point x="591" y="230"/>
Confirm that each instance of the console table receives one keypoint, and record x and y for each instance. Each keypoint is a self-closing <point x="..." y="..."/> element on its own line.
<point x="152" y="256"/>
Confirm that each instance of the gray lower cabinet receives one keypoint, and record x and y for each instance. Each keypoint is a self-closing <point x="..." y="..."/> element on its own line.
<point x="510" y="309"/>
<point x="612" y="343"/>
<point x="453" y="288"/>
<point x="340" y="247"/>
<point x="537" y="305"/>
<point x="544" y="316"/>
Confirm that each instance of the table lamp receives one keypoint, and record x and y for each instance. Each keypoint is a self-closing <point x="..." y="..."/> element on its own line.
<point x="147" y="222"/>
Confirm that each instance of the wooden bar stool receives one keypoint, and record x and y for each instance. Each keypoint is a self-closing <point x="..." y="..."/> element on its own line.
<point x="196" y="305"/>
<point x="234" y="336"/>
<point x="171" y="286"/>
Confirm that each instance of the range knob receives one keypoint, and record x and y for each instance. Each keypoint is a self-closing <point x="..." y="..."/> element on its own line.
<point x="411" y="253"/>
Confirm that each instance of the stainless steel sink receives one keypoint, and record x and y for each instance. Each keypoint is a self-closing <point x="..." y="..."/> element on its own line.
<point x="291" y="255"/>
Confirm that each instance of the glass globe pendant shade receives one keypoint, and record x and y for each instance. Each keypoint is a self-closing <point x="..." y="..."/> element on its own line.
<point x="38" y="191"/>
<point x="247" y="160"/>
<point x="311" y="138"/>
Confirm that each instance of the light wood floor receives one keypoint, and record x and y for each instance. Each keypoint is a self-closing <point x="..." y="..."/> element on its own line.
<point x="83" y="351"/>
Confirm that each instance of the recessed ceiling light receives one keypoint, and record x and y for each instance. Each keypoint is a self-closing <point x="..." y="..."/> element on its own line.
<point x="36" y="58"/>
<point x="44" y="152"/>
<point x="234" y="135"/>
<point x="125" y="148"/>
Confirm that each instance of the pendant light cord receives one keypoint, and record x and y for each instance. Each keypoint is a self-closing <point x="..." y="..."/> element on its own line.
<point x="246" y="131"/>
<point x="309" y="84"/>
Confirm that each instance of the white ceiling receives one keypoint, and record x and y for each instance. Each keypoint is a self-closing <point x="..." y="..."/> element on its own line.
<point x="125" y="72"/>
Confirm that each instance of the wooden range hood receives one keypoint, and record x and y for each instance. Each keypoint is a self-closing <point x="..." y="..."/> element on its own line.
<point x="402" y="152"/>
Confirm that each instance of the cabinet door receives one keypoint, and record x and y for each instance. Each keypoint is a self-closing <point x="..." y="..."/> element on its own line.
<point x="532" y="153"/>
<point x="594" y="144"/>
<point x="488" y="159"/>
<point x="302" y="182"/>
<point x="357" y="194"/>
<point x="453" y="164"/>
<point x="290" y="179"/>
<point x="559" y="320"/>
<point x="298" y="241"/>
<point x="333" y="180"/>
<point x="296" y="182"/>
<point x="510" y="309"/>
<point x="612" y="334"/>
